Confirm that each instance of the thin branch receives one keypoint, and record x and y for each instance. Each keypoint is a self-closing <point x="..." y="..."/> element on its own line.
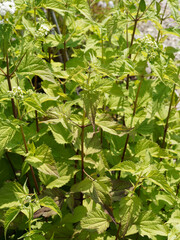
<point x="130" y="14"/>
<point x="31" y="168"/>
<point x="4" y="74"/>
<point x="82" y="153"/>
<point x="10" y="86"/>
<point x="146" y="9"/>
<point x="134" y="112"/>
<point x="137" y="95"/>
<point x="132" y="40"/>
<point x="162" y="19"/>
<point x="177" y="190"/>
<point x="12" y="167"/>
<point x="168" y="116"/>
<point x="119" y="228"/>
<point x="17" y="65"/>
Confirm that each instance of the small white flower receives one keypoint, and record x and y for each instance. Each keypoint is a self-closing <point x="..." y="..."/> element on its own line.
<point x="178" y="106"/>
<point x="8" y="6"/>
<point x="2" y="21"/>
<point x="2" y="10"/>
<point x="111" y="4"/>
<point x="43" y="30"/>
<point x="100" y="4"/>
<point x="104" y="5"/>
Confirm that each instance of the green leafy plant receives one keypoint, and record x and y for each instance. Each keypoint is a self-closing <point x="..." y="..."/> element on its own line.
<point x="89" y="120"/>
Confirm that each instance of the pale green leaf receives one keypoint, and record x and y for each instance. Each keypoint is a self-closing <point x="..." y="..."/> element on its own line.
<point x="127" y="166"/>
<point x="83" y="7"/>
<point x="150" y="225"/>
<point x="153" y="148"/>
<point x="11" y="194"/>
<point x="59" y="182"/>
<point x="54" y="5"/>
<point x="33" y="103"/>
<point x="78" y="214"/>
<point x="128" y="211"/>
<point x="112" y="127"/>
<point x="82" y="186"/>
<point x="32" y="65"/>
<point x="95" y="220"/>
<point x="61" y="132"/>
<point x="43" y="160"/>
<point x="50" y="203"/>
<point x="10" y="215"/>
<point x="7" y="132"/>
<point x="157" y="178"/>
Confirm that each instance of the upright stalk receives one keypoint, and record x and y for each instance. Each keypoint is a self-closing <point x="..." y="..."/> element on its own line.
<point x="177" y="190"/>
<point x="35" y="78"/>
<point x="26" y="150"/>
<point x="102" y="47"/>
<point x="10" y="86"/>
<point x="16" y="113"/>
<point x="82" y="151"/>
<point x="132" y="40"/>
<point x="9" y="160"/>
<point x="134" y="112"/>
<point x="167" y="119"/>
<point x="118" y="231"/>
<point x="36" y="113"/>
<point x="162" y="18"/>
<point x="64" y="49"/>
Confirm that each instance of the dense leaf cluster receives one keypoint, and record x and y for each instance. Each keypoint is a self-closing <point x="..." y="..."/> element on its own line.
<point x="89" y="123"/>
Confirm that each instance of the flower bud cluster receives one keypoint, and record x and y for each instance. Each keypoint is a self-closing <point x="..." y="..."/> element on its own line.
<point x="8" y="6"/>
<point x="16" y="93"/>
<point x="149" y="45"/>
<point x="43" y="30"/>
<point x="104" y="4"/>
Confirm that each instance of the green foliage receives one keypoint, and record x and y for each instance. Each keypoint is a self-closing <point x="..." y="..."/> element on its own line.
<point x="89" y="121"/>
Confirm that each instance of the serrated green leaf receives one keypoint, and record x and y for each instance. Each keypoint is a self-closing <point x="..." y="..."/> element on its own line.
<point x="100" y="194"/>
<point x="11" y="194"/>
<point x="59" y="182"/>
<point x="156" y="177"/>
<point x="127" y="166"/>
<point x="150" y="225"/>
<point x="128" y="212"/>
<point x="61" y="133"/>
<point x="7" y="132"/>
<point x="92" y="144"/>
<point x="78" y="214"/>
<point x="50" y="203"/>
<point x="95" y="220"/>
<point x="153" y="148"/>
<point x="112" y="127"/>
<point x="10" y="215"/>
<point x="83" y="7"/>
<point x="33" y="103"/>
<point x="43" y="160"/>
<point x="82" y="186"/>
<point x="54" y="5"/>
<point x="32" y="65"/>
